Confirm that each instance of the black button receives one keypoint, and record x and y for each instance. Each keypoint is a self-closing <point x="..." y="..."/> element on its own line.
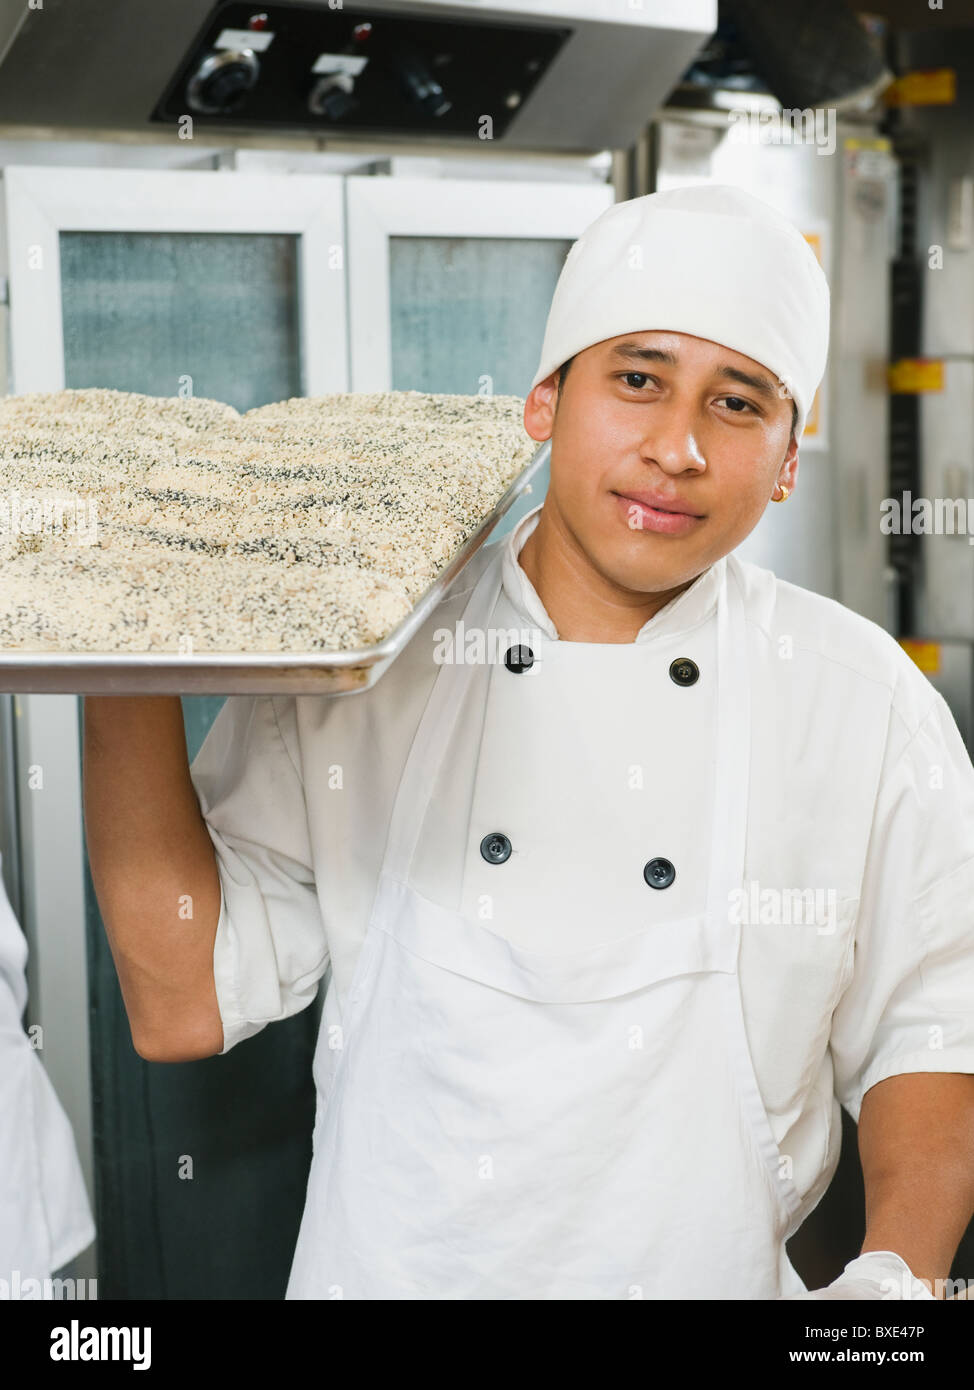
<point x="519" y="659"/>
<point x="659" y="873"/>
<point x="495" y="848"/>
<point x="684" y="671"/>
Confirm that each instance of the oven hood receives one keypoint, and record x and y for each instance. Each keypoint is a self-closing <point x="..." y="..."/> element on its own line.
<point x="566" y="75"/>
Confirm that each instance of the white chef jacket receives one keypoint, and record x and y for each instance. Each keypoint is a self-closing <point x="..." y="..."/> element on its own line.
<point x="45" y="1216"/>
<point x="861" y="791"/>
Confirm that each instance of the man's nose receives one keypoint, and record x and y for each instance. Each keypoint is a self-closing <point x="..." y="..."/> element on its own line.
<point x="670" y="440"/>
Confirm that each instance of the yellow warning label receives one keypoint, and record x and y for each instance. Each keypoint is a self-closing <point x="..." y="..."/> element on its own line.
<point x="854" y="143"/>
<point x="925" y="654"/>
<point x="912" y="375"/>
<point x="929" y="87"/>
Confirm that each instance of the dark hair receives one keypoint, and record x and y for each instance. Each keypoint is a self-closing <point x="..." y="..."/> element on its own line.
<point x="563" y="372"/>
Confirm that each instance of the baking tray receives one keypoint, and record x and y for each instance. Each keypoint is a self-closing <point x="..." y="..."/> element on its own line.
<point x="241" y="673"/>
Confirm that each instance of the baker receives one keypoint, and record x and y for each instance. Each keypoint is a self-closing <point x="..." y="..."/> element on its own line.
<point x="561" y="1056"/>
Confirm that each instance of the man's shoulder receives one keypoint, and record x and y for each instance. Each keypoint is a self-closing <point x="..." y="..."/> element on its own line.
<point x="830" y="635"/>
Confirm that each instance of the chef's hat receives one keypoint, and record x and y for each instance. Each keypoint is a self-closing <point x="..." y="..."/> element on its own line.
<point x="709" y="260"/>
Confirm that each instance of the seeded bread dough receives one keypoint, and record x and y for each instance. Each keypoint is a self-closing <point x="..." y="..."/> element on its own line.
<point x="307" y="525"/>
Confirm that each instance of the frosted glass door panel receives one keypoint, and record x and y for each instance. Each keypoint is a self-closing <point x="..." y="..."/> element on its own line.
<point x="466" y="308"/>
<point x="143" y="310"/>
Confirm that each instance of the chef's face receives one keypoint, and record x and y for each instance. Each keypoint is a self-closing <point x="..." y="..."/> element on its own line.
<point x="670" y="418"/>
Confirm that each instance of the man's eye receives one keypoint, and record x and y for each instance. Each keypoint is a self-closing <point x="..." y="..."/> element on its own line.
<point x="738" y="401"/>
<point x="640" y="379"/>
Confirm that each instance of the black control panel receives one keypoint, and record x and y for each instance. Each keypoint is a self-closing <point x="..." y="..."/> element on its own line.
<point x="318" y="68"/>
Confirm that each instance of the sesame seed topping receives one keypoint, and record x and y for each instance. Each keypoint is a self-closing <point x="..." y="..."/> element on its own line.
<point x="313" y="524"/>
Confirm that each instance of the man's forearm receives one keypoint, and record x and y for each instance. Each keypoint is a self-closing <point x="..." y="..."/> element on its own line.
<point x="152" y="859"/>
<point x="916" y="1143"/>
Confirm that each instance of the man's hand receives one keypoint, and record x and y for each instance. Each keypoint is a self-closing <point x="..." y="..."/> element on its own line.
<point x="880" y="1274"/>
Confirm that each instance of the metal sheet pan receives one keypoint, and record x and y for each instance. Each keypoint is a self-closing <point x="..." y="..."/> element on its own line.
<point x="246" y="673"/>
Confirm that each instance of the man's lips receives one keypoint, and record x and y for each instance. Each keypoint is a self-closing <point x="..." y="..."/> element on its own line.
<point x="660" y="502"/>
<point x="642" y="514"/>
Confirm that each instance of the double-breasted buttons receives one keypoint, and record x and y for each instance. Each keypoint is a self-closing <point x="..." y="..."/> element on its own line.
<point x="519" y="659"/>
<point x="684" y="671"/>
<point x="659" y="873"/>
<point x="495" y="848"/>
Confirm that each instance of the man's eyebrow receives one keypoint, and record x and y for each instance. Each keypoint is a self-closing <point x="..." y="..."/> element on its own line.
<point x="762" y="384"/>
<point x="632" y="352"/>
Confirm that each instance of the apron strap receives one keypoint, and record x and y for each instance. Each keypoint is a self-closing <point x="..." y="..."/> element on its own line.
<point x="733" y="745"/>
<point x="451" y="685"/>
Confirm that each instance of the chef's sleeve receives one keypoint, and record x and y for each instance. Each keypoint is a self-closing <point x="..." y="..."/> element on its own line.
<point x="270" y="950"/>
<point x="909" y="1005"/>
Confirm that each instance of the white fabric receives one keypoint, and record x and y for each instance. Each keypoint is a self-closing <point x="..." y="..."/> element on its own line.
<point x="877" y="1274"/>
<point x="710" y="260"/>
<point x="492" y="1124"/>
<point x="45" y="1216"/>
<point x="860" y="784"/>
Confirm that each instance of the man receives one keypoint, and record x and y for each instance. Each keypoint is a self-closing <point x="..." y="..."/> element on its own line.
<point x="584" y="1037"/>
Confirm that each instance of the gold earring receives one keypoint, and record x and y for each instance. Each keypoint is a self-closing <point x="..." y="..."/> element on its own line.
<point x="784" y="493"/>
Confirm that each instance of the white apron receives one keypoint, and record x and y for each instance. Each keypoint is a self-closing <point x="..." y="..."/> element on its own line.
<point x="496" y="1123"/>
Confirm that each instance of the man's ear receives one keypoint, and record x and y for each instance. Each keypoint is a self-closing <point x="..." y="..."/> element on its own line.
<point x="788" y="473"/>
<point x="539" y="408"/>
